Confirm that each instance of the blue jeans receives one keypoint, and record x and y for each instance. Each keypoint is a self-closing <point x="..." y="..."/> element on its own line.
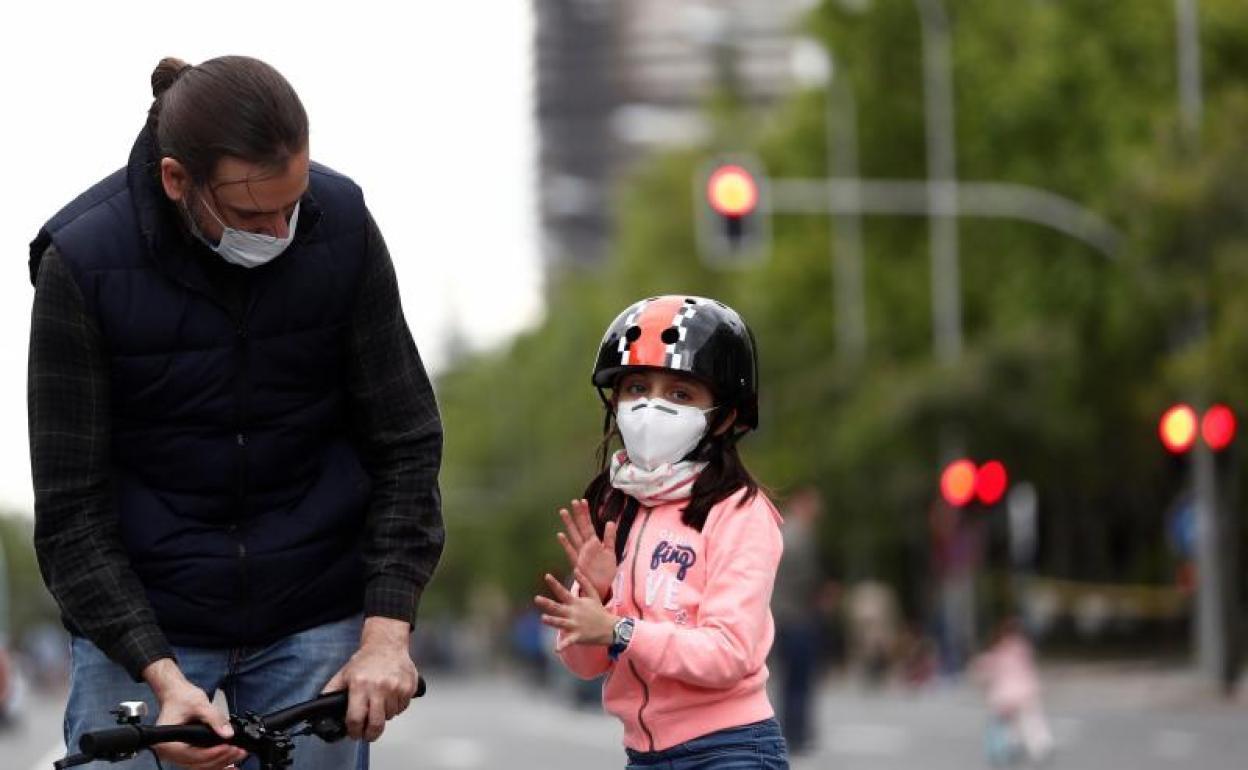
<point x="798" y="646"/>
<point x="759" y="746"/>
<point x="259" y="679"/>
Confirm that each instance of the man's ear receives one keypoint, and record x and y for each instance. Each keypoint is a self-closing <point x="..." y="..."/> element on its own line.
<point x="174" y="179"/>
<point x="728" y="423"/>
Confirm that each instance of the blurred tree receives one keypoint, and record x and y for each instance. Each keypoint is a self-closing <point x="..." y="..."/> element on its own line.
<point x="1069" y="356"/>
<point x="29" y="602"/>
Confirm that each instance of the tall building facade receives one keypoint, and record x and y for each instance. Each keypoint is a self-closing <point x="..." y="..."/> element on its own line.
<point x="617" y="79"/>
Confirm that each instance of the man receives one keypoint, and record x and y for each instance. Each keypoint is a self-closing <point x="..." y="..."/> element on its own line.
<point x="234" y="443"/>
<point x="794" y="605"/>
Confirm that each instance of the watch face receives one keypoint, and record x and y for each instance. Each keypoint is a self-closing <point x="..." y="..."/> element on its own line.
<point x="624" y="630"/>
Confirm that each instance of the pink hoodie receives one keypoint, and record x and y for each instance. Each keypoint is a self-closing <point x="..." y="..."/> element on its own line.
<point x="1007" y="671"/>
<point x="696" y="663"/>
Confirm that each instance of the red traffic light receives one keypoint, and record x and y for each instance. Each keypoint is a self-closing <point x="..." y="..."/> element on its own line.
<point x="1218" y="427"/>
<point x="991" y="481"/>
<point x="732" y="191"/>
<point x="962" y="482"/>
<point x="1178" y="429"/>
<point x="957" y="483"/>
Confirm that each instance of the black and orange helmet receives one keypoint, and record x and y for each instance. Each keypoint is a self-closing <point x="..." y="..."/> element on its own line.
<point x="703" y="337"/>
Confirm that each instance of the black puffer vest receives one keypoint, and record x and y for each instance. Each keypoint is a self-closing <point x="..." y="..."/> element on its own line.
<point x="240" y="495"/>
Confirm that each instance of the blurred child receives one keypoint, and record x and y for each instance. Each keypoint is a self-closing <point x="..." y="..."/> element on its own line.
<point x="1007" y="671"/>
<point x="675" y="547"/>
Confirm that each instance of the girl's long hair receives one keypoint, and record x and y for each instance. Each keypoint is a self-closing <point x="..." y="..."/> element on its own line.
<point x="724" y="475"/>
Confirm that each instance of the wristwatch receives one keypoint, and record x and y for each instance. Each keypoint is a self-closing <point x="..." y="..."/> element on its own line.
<point x="621" y="635"/>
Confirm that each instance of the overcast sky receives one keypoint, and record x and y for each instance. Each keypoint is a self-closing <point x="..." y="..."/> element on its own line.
<point x="425" y="104"/>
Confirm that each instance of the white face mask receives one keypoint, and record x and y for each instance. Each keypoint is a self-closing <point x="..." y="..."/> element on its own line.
<point x="657" y="432"/>
<point x="245" y="249"/>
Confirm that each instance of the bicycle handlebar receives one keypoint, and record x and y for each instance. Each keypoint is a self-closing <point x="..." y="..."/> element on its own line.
<point x="325" y="714"/>
<point x="131" y="738"/>
<point x="332" y="705"/>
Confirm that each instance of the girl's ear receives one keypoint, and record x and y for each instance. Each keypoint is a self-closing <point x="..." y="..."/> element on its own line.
<point x="728" y="422"/>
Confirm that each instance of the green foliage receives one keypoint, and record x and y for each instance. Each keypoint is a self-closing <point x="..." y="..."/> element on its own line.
<point x="28" y="601"/>
<point x="1069" y="357"/>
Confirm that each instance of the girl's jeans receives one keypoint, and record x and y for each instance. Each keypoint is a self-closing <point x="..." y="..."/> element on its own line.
<point x="759" y="746"/>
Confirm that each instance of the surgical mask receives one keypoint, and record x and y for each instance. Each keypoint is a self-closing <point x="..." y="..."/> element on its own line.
<point x="239" y="247"/>
<point x="658" y="432"/>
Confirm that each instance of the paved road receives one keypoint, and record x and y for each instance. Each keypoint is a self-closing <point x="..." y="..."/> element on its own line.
<point x="1140" y="722"/>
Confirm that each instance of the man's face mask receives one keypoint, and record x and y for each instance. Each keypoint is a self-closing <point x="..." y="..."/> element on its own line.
<point x="245" y="249"/>
<point x="657" y="432"/>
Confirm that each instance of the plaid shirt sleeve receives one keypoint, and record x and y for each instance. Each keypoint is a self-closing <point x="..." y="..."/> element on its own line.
<point x="399" y="432"/>
<point x="77" y="541"/>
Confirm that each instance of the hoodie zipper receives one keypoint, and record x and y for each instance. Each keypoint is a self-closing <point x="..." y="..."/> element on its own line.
<point x="645" y="689"/>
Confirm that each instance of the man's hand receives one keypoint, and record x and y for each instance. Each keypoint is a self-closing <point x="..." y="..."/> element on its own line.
<point x="580" y="619"/>
<point x="380" y="678"/>
<point x="183" y="703"/>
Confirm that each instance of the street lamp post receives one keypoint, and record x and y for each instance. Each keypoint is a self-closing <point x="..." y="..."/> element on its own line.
<point x="847" y="249"/>
<point x="1187" y="35"/>
<point x="814" y="66"/>
<point x="941" y="180"/>
<point x="1215" y="594"/>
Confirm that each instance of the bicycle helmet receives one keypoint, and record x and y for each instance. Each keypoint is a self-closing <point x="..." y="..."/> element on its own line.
<point x="701" y="336"/>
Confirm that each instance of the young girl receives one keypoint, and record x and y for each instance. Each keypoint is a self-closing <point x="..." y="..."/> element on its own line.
<point x="674" y="548"/>
<point x="1017" y="727"/>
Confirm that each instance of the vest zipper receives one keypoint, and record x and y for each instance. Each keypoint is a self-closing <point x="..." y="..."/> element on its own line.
<point x="241" y="417"/>
<point x="645" y="689"/>
<point x="240" y="325"/>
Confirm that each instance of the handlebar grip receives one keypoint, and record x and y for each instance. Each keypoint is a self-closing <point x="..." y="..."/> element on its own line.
<point x="130" y="738"/>
<point x="332" y="705"/>
<point x="116" y="740"/>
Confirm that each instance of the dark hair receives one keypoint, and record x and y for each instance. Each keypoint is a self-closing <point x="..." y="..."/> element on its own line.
<point x="231" y="106"/>
<point x="724" y="475"/>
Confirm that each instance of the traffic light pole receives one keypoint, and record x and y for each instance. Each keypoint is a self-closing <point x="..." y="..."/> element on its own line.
<point x="1209" y="627"/>
<point x="909" y="197"/>
<point x="1215" y="624"/>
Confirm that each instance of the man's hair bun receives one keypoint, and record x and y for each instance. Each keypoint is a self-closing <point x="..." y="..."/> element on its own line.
<point x="166" y="74"/>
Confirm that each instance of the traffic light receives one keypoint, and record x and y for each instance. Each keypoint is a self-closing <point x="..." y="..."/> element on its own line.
<point x="734" y="222"/>
<point x="962" y="483"/>
<point x="1180" y="428"/>
<point x="991" y="481"/>
<point x="957" y="483"/>
<point x="1218" y="427"/>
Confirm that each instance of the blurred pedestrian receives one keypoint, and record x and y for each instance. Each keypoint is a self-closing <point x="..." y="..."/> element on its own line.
<point x="874" y="623"/>
<point x="8" y="676"/>
<point x="956" y="549"/>
<point x="795" y="606"/>
<point x="527" y="644"/>
<point x="46" y="647"/>
<point x="917" y="657"/>
<point x="1017" y="727"/>
<point x="234" y="443"/>
<point x="675" y="547"/>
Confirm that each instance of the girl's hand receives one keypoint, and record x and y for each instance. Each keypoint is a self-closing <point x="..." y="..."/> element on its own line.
<point x="580" y="619"/>
<point x="593" y="557"/>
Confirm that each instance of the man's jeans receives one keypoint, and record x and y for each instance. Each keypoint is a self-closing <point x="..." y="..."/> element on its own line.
<point x="259" y="679"/>
<point x="759" y="746"/>
<point x="798" y="646"/>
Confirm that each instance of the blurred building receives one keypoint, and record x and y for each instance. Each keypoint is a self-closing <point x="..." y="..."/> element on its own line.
<point x="617" y="79"/>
